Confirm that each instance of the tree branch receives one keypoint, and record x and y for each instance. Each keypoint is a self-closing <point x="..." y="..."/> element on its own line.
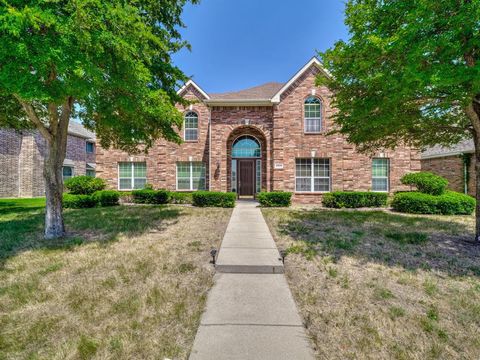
<point x="32" y="115"/>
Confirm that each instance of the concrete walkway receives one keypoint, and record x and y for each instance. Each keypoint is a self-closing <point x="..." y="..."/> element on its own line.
<point x="250" y="311"/>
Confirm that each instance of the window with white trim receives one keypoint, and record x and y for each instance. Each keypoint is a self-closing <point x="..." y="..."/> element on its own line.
<point x="312" y="115"/>
<point x="132" y="175"/>
<point x="191" y="126"/>
<point x="190" y="175"/>
<point x="312" y="175"/>
<point x="67" y="172"/>
<point x="380" y="174"/>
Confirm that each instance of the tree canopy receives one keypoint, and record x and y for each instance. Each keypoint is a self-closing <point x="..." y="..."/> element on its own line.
<point x="409" y="72"/>
<point x="110" y="59"/>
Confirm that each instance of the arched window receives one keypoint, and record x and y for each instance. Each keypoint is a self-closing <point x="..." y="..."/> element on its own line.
<point x="313" y="115"/>
<point x="191" y="126"/>
<point x="246" y="146"/>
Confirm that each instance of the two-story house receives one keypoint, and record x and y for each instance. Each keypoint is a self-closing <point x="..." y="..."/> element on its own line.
<point x="270" y="137"/>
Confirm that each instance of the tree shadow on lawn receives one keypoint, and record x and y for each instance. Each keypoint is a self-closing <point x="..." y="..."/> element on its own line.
<point x="23" y="230"/>
<point x="413" y="242"/>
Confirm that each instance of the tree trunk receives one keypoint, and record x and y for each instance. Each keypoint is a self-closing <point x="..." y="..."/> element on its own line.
<point x="53" y="168"/>
<point x="473" y="112"/>
<point x="52" y="173"/>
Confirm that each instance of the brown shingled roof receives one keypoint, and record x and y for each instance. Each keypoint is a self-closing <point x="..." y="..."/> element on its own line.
<point x="260" y="92"/>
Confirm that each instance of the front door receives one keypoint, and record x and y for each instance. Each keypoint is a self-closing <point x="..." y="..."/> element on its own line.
<point x="246" y="178"/>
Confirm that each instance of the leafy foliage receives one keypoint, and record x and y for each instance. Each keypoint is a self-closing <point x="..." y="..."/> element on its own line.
<point x="150" y="196"/>
<point x="78" y="201"/>
<point x="214" y="199"/>
<point x="426" y="182"/>
<point x="84" y="185"/>
<point x="112" y="59"/>
<point x="449" y="203"/>
<point x="409" y="73"/>
<point x="354" y="199"/>
<point x="106" y="197"/>
<point x="177" y="197"/>
<point x="275" y="198"/>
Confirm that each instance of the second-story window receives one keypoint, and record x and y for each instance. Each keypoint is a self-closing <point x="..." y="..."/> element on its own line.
<point x="191" y="126"/>
<point x="89" y="147"/>
<point x="312" y="115"/>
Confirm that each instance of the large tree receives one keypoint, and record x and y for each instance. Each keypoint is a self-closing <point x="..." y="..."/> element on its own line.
<point x="108" y="62"/>
<point x="408" y="74"/>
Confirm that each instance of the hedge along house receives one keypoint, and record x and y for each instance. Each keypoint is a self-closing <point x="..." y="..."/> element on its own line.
<point x="269" y="137"/>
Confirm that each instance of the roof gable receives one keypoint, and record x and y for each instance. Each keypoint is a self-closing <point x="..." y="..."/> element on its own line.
<point x="313" y="62"/>
<point x="195" y="86"/>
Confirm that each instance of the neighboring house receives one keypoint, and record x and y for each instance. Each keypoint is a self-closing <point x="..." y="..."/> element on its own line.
<point x="269" y="137"/>
<point x="456" y="164"/>
<point x="22" y="154"/>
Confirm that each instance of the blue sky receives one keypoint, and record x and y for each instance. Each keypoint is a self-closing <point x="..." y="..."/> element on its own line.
<point x="239" y="44"/>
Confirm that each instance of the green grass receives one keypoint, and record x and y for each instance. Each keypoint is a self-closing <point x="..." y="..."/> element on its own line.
<point x="381" y="285"/>
<point x="126" y="282"/>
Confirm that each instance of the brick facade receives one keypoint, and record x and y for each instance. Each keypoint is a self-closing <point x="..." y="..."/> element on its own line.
<point x="279" y="129"/>
<point x="21" y="161"/>
<point x="452" y="168"/>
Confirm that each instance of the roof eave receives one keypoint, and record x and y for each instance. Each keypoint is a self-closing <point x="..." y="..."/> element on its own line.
<point x="445" y="154"/>
<point x="239" y="102"/>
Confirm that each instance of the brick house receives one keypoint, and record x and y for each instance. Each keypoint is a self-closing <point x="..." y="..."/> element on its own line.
<point x="22" y="154"/>
<point x="269" y="137"/>
<point x="456" y="164"/>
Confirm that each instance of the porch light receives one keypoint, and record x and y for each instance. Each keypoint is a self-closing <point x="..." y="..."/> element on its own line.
<point x="213" y="253"/>
<point x="283" y="254"/>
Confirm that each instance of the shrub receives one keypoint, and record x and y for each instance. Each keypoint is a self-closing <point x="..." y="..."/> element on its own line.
<point x="148" y="196"/>
<point x="214" y="199"/>
<point x="275" y="198"/>
<point x="106" y="197"/>
<point x="78" y="201"/>
<point x="450" y="203"/>
<point x="354" y="199"/>
<point x="180" y="197"/>
<point x="84" y="185"/>
<point x="426" y="182"/>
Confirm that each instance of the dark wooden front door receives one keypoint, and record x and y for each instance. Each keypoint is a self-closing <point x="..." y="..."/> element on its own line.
<point x="246" y="178"/>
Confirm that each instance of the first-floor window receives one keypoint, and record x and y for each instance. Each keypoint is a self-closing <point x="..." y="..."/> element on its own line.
<point x="67" y="172"/>
<point x="380" y="174"/>
<point x="312" y="175"/>
<point x="132" y="175"/>
<point x="90" y="173"/>
<point x="234" y="175"/>
<point x="190" y="175"/>
<point x="258" y="176"/>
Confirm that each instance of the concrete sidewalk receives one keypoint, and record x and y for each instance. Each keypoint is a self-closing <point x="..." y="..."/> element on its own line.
<point x="250" y="311"/>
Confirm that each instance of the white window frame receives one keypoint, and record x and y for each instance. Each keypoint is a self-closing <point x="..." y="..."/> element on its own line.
<point x="73" y="171"/>
<point x="185" y="126"/>
<point x="312" y="177"/>
<point x="190" y="175"/>
<point x="306" y="119"/>
<point x="132" y="178"/>
<point x="382" y="177"/>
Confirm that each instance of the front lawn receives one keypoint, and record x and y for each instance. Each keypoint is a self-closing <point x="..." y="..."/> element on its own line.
<point x="378" y="285"/>
<point x="128" y="282"/>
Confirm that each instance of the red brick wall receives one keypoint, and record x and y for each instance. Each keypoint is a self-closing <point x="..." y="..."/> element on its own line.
<point x="162" y="158"/>
<point x="451" y="168"/>
<point x="349" y="169"/>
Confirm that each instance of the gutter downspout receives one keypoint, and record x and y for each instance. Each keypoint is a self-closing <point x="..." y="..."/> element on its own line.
<point x="209" y="147"/>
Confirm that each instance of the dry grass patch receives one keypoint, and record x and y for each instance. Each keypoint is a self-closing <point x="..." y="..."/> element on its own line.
<point x="377" y="285"/>
<point x="130" y="282"/>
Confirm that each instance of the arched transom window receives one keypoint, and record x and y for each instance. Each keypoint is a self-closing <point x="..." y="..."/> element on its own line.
<point x="246" y="146"/>
<point x="313" y="115"/>
<point x="191" y="126"/>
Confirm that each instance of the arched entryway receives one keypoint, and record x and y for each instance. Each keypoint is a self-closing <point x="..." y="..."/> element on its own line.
<point x="246" y="150"/>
